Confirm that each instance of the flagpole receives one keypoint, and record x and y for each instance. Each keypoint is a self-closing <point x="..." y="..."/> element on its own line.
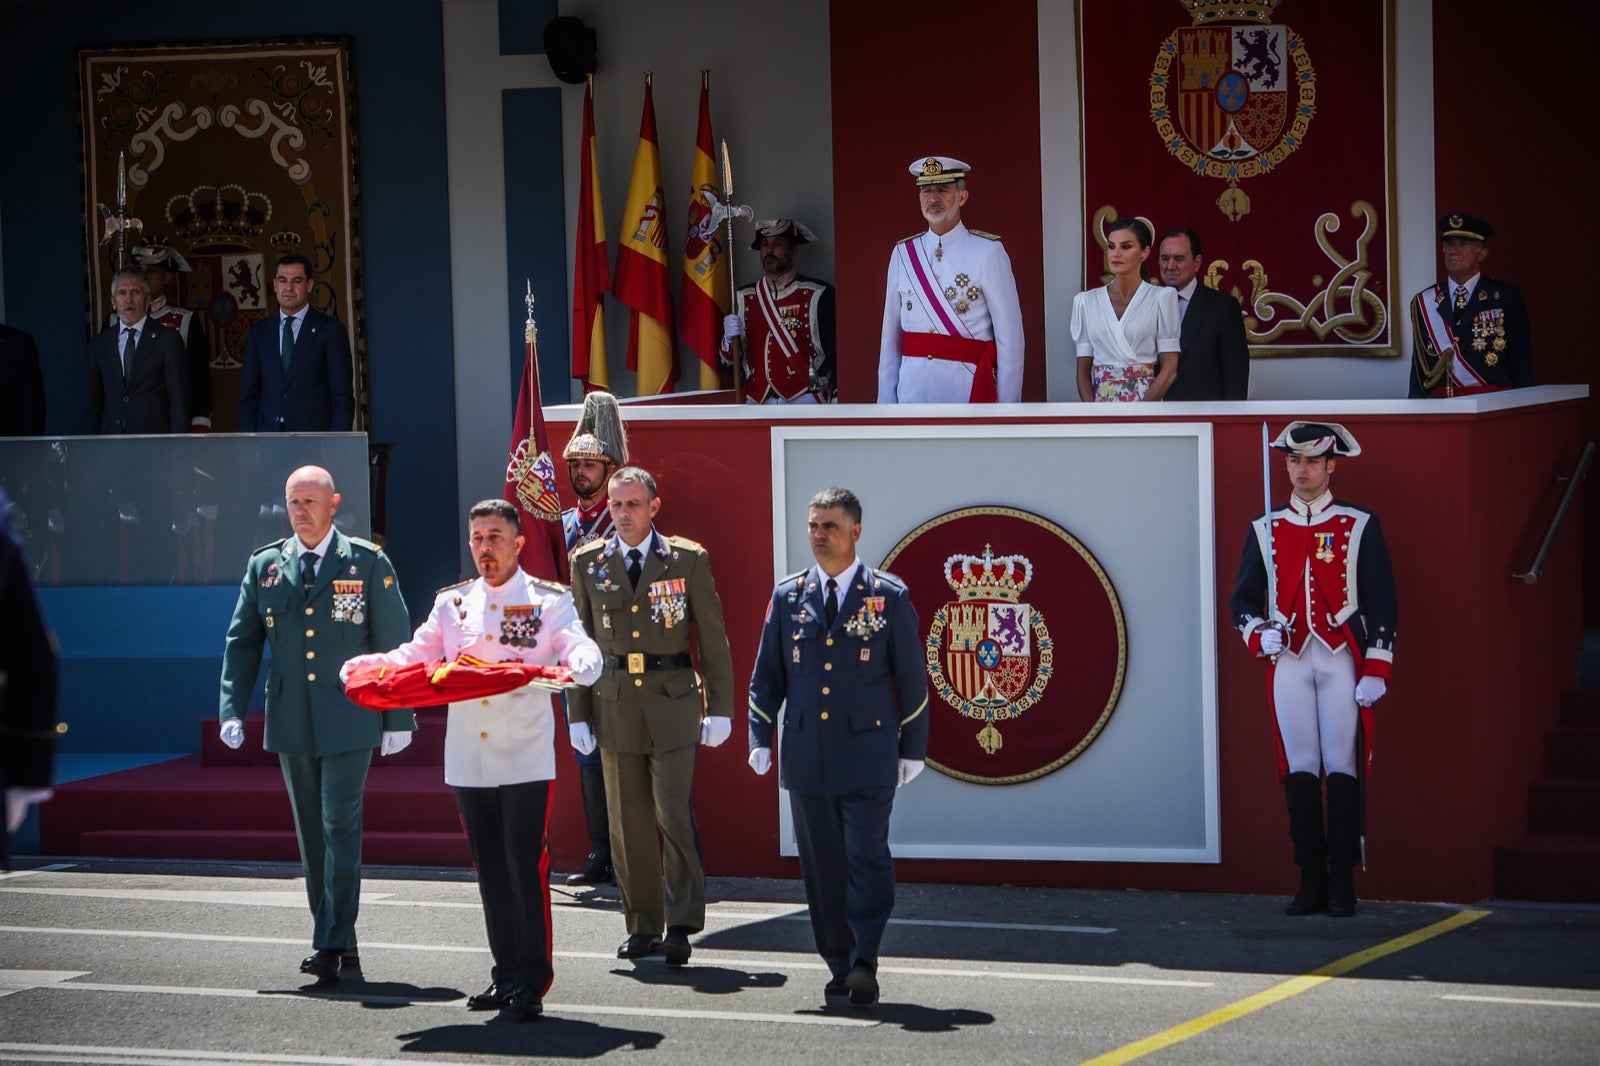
<point x="530" y="340"/>
<point x="735" y="347"/>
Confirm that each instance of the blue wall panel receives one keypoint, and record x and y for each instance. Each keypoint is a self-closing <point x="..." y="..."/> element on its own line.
<point x="536" y="237"/>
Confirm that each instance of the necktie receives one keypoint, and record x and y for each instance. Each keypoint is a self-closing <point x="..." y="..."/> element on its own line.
<point x="830" y="606"/>
<point x="288" y="340"/>
<point x="308" y="568"/>
<point x="635" y="565"/>
<point x="1461" y="297"/>
<point x="130" y="339"/>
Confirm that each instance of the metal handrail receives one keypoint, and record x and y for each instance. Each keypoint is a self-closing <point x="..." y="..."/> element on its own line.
<point x="1531" y="575"/>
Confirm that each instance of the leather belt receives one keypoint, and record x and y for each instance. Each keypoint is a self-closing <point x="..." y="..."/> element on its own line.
<point x="637" y="662"/>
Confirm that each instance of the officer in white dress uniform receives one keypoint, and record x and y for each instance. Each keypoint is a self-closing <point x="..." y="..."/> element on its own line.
<point x="952" y="324"/>
<point x="499" y="752"/>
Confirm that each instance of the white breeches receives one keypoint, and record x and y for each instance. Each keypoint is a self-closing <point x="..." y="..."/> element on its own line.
<point x="1314" y="698"/>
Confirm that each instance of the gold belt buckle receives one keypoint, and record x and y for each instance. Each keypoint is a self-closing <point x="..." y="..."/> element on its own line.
<point x="636" y="662"/>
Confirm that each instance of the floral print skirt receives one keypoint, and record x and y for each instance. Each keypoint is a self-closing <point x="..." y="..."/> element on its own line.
<point x="1122" y="384"/>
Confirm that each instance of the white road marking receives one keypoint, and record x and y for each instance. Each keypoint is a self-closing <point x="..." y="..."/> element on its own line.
<point x="13" y="981"/>
<point x="1516" y="1002"/>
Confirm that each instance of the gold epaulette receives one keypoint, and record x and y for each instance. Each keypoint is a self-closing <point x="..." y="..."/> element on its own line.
<point x="984" y="234"/>
<point x="457" y="585"/>
<point x="684" y="542"/>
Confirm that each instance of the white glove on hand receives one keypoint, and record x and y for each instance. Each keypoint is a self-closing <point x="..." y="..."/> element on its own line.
<point x="909" y="769"/>
<point x="582" y="738"/>
<point x="369" y="659"/>
<point x="18" y="800"/>
<point x="731" y="327"/>
<point x="394" y="742"/>
<point x="760" y="760"/>
<point x="1370" y="690"/>
<point x="232" y="733"/>
<point x="715" y="730"/>
<point x="1271" y="640"/>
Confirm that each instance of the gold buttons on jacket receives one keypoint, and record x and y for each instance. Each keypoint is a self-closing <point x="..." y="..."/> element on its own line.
<point x="311" y="633"/>
<point x="310" y="610"/>
<point x="826" y="690"/>
<point x="483" y="736"/>
<point x="638" y="681"/>
<point x="634" y="608"/>
<point x="485" y="703"/>
<point x="311" y="655"/>
<point x="635" y="634"/>
<point x="311" y="677"/>
<point x="824" y="715"/>
<point x="829" y="642"/>
<point x="827" y="666"/>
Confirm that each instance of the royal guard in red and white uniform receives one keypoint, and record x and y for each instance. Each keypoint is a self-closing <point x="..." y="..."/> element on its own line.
<point x="161" y="265"/>
<point x="1329" y="643"/>
<point x="1470" y="332"/>
<point x="783" y="323"/>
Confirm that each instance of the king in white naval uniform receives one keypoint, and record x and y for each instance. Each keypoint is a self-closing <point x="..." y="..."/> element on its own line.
<point x="499" y="752"/>
<point x="952" y="323"/>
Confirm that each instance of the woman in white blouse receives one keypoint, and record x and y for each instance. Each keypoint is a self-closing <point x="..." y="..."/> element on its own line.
<point x="1127" y="331"/>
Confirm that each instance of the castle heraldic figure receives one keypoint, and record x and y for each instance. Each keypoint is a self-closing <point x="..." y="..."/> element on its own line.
<point x="599" y="446"/>
<point x="842" y="654"/>
<point x="499" y="751"/>
<point x="1470" y="333"/>
<point x="638" y="593"/>
<point x="1323" y="616"/>
<point x="297" y="375"/>
<point x="783" y="325"/>
<point x="319" y="598"/>
<point x="952" y="322"/>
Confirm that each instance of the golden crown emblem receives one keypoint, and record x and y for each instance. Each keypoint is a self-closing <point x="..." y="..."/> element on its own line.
<point x="219" y="218"/>
<point x="988" y="577"/>
<point x="1207" y="12"/>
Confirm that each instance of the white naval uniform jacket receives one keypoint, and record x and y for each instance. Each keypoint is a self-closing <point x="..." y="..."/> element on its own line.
<point x="509" y="738"/>
<point x="976" y="268"/>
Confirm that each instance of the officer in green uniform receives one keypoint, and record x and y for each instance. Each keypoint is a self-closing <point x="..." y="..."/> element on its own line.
<point x="318" y="598"/>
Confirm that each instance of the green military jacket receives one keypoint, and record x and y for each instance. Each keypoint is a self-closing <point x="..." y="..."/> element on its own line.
<point x="353" y="607"/>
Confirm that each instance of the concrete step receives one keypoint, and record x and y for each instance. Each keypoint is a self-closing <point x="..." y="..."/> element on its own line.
<point x="1565" y="805"/>
<point x="1549" y="868"/>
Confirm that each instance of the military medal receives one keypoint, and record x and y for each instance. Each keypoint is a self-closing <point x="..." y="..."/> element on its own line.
<point x="519" y="623"/>
<point x="349" y="601"/>
<point x="866" y="654"/>
<point x="669" y="602"/>
<point x="797" y="653"/>
<point x="868" y="620"/>
<point x="1324" y="547"/>
<point x="271" y="579"/>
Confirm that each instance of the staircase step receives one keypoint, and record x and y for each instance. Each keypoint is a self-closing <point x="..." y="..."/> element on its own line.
<point x="426" y="748"/>
<point x="258" y="845"/>
<point x="1581" y="708"/>
<point x="1565" y="805"/>
<point x="1549" y="868"/>
<point x="1572" y="751"/>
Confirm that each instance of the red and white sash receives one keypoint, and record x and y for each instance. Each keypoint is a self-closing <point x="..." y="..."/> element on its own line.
<point x="768" y="304"/>
<point x="1442" y="338"/>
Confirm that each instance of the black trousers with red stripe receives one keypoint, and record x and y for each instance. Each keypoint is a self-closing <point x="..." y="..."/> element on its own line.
<point x="506" y="828"/>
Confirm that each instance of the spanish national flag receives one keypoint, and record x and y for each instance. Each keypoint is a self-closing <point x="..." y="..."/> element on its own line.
<point x="642" y="279"/>
<point x="705" y="263"/>
<point x="591" y="276"/>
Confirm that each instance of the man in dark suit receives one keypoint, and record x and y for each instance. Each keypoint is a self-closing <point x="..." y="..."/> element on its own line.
<point x="637" y="593"/>
<point x="1213" y="360"/>
<point x="21" y="385"/>
<point x="139" y="372"/>
<point x="319" y="598"/>
<point x="297" y="375"/>
<point x="162" y="264"/>
<point x="841" y="645"/>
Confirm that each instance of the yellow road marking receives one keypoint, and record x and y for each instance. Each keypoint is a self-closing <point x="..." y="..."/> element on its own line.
<point x="1279" y="992"/>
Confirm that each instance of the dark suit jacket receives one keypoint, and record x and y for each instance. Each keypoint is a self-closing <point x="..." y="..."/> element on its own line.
<point x="316" y="395"/>
<point x="21" y="385"/>
<point x="1213" y="360"/>
<point x="154" y="398"/>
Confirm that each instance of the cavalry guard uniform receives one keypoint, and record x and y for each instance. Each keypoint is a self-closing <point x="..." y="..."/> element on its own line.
<point x="952" y="322"/>
<point x="1472" y="337"/>
<point x="646" y="712"/>
<point x="857" y="699"/>
<point x="323" y="741"/>
<point x="1336" y="611"/>
<point x="499" y="755"/>
<point x="582" y="525"/>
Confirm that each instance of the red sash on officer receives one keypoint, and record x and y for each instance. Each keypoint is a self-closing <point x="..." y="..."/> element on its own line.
<point x="1461" y="377"/>
<point x="950" y="345"/>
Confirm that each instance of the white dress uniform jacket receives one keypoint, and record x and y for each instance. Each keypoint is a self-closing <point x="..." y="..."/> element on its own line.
<point x="977" y="270"/>
<point x="509" y="738"/>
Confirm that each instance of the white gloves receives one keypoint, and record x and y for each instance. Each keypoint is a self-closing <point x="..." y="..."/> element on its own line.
<point x="1370" y="690"/>
<point x="731" y="327"/>
<point x="582" y="737"/>
<point x="715" y="730"/>
<point x="232" y="732"/>
<point x="760" y="759"/>
<point x="1271" y="640"/>
<point x="394" y="742"/>
<point x="909" y="769"/>
<point x="369" y="659"/>
<point x="18" y="800"/>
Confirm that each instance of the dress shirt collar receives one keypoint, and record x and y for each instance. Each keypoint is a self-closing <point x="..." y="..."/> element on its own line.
<point x="646" y="546"/>
<point x="1471" y="285"/>
<point x="321" y="549"/>
<point x="846" y="577"/>
<point x="508" y="590"/>
<point x="139" y="326"/>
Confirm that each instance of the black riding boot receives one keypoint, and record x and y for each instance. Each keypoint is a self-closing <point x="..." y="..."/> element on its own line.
<point x="1304" y="793"/>
<point x="598" y="869"/>
<point x="1344" y="843"/>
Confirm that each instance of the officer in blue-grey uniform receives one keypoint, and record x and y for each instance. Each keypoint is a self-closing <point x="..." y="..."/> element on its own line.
<point x="318" y="598"/>
<point x="1470" y="332"/>
<point x="842" y="650"/>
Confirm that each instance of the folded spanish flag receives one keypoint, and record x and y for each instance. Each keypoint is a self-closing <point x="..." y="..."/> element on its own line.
<point x="386" y="686"/>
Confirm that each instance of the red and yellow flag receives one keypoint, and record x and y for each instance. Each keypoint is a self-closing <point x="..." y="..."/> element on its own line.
<point x="642" y="279"/>
<point x="705" y="261"/>
<point x="531" y="476"/>
<point x="591" y="276"/>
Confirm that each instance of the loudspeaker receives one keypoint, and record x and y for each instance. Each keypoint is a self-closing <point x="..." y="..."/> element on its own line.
<point x="570" y="46"/>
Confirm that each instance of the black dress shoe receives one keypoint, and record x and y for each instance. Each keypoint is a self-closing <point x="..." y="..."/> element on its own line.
<point x="835" y="989"/>
<point x="675" y="948"/>
<point x="597" y="871"/>
<point x="350" y="959"/>
<point x="862" y="984"/>
<point x="324" y="964"/>
<point x="494" y="997"/>
<point x="638" y="946"/>
<point x="522" y="1005"/>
